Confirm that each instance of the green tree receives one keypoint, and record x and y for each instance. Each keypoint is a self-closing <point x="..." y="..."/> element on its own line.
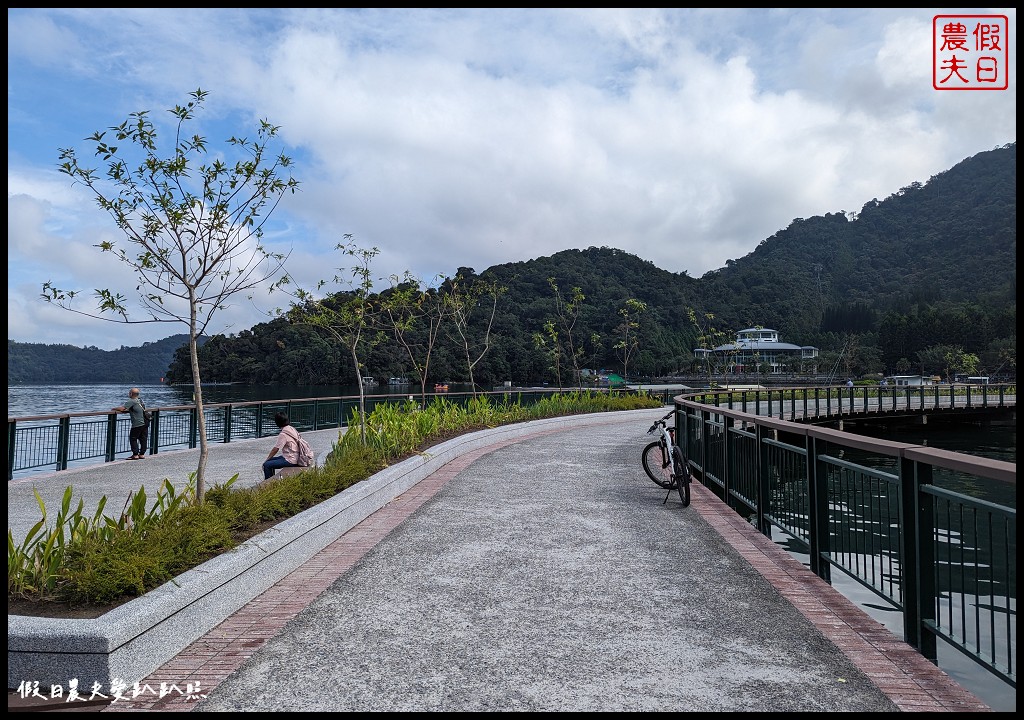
<point x="933" y="359"/>
<point x="193" y="222"/>
<point x="415" y="317"/>
<point x="568" y="312"/>
<point x="347" y="316"/>
<point x="465" y="297"/>
<point x="549" y="342"/>
<point x="709" y="337"/>
<point x="629" y="331"/>
<point x="960" y="362"/>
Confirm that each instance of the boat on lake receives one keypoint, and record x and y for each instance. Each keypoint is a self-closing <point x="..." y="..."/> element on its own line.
<point x="398" y="381"/>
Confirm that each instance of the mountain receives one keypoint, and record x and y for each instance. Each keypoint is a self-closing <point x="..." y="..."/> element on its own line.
<point x="950" y="241"/>
<point x="931" y="266"/>
<point x="40" y="363"/>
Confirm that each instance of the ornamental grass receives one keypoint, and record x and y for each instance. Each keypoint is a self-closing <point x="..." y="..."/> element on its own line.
<point x="79" y="560"/>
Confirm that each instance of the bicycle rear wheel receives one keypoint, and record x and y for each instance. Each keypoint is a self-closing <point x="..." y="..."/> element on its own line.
<point x="656" y="463"/>
<point x="682" y="475"/>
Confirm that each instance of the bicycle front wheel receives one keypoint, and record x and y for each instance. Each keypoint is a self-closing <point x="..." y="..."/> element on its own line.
<point x="656" y="464"/>
<point x="682" y="473"/>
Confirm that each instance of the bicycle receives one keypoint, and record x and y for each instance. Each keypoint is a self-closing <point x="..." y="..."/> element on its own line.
<point x="664" y="462"/>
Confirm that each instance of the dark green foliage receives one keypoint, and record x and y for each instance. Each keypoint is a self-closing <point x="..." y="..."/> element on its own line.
<point x="39" y="363"/>
<point x="100" y="570"/>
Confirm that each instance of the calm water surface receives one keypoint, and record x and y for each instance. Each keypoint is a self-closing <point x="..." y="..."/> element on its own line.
<point x="32" y="400"/>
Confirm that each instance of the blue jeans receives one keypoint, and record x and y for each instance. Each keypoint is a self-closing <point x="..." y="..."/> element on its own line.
<point x="271" y="465"/>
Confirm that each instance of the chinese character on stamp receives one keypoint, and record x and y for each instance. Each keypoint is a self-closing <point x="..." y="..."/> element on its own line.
<point x="970" y="52"/>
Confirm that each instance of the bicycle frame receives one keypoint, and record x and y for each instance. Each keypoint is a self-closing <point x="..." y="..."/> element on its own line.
<point x="672" y="460"/>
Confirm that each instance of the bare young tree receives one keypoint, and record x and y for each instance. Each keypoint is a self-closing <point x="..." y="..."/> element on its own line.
<point x="465" y="297"/>
<point x="193" y="224"/>
<point x="550" y="343"/>
<point x="412" y="311"/>
<point x="348" y="317"/>
<point x="568" y="310"/>
<point x="709" y="337"/>
<point x="629" y="331"/>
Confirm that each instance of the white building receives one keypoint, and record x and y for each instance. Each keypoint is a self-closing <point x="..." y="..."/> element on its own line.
<point x="910" y="380"/>
<point x="756" y="347"/>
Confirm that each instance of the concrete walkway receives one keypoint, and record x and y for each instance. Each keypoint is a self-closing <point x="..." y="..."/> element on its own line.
<point x="541" y="574"/>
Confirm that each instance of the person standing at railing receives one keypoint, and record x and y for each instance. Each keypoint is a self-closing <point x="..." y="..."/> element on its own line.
<point x="137" y="436"/>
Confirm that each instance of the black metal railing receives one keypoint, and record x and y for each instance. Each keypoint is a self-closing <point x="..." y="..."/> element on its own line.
<point x="885" y="514"/>
<point x="57" y="442"/>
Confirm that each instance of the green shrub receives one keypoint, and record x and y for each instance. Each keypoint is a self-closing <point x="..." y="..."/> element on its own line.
<point x="99" y="559"/>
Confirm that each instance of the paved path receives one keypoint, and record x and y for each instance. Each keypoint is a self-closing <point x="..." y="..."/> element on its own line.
<point x="546" y="574"/>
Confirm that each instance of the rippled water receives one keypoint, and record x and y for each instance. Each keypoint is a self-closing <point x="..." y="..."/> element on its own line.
<point x="32" y="400"/>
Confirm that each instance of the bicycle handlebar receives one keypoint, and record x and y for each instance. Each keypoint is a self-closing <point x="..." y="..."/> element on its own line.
<point x="660" y="422"/>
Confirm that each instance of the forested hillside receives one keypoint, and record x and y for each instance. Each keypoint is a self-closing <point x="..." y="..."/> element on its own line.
<point x="39" y="363"/>
<point x="886" y="288"/>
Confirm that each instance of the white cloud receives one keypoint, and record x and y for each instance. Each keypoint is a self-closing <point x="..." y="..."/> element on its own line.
<point x="453" y="138"/>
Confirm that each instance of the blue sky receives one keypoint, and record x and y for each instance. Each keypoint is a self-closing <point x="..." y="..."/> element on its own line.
<point x="468" y="138"/>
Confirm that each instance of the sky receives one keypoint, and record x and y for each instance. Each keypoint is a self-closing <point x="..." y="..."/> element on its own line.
<point x="450" y="138"/>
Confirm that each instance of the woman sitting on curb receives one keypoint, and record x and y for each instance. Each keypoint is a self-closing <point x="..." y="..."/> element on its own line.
<point x="287" y="443"/>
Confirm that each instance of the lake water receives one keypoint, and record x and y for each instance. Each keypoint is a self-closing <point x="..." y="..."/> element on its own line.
<point x="32" y="400"/>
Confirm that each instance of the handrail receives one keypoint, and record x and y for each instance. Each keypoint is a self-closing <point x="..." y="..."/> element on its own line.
<point x="883" y="513"/>
<point x="84" y="438"/>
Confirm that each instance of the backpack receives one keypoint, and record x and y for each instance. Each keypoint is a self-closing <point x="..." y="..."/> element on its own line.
<point x="306" y="456"/>
<point x="147" y="415"/>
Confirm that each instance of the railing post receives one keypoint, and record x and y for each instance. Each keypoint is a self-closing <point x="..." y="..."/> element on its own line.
<point x="817" y="509"/>
<point x="11" y="440"/>
<point x="727" y="444"/>
<point x="916" y="553"/>
<point x="154" y="433"/>
<point x="705" y="418"/>
<point x="63" y="442"/>
<point x="193" y="427"/>
<point x="227" y="423"/>
<point x="110" y="451"/>
<point x="764" y="487"/>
